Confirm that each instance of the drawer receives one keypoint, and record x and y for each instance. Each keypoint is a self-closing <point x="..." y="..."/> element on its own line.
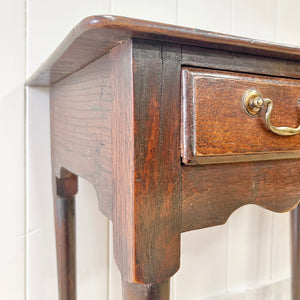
<point x="217" y="127"/>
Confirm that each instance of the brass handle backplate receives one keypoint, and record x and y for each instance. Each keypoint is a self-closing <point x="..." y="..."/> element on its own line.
<point x="253" y="103"/>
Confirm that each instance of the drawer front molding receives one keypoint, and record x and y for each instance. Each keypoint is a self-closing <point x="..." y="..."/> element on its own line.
<point x="215" y="128"/>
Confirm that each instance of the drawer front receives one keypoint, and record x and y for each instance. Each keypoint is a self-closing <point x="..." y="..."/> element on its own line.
<point x="216" y="127"/>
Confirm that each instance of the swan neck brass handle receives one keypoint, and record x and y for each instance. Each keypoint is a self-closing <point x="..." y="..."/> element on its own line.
<point x="253" y="103"/>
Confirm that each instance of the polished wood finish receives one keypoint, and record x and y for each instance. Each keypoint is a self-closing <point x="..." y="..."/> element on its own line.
<point x="64" y="189"/>
<point x="212" y="192"/>
<point x="147" y="175"/>
<point x="116" y="121"/>
<point x="81" y="127"/>
<point x="216" y="128"/>
<point x="239" y="62"/>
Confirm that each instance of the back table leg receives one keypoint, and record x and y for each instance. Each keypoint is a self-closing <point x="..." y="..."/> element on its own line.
<point x="64" y="211"/>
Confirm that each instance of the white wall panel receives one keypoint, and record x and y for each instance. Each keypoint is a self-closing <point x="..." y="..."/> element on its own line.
<point x="203" y="271"/>
<point x="115" y="290"/>
<point x="92" y="226"/>
<point x="48" y="22"/>
<point x="281" y="246"/>
<point x="256" y="19"/>
<point x="249" y="248"/>
<point x="92" y="245"/>
<point x="274" y="290"/>
<point x="41" y="260"/>
<point x="214" y="15"/>
<point x="154" y="10"/>
<point x="12" y="203"/>
<point x="288" y="22"/>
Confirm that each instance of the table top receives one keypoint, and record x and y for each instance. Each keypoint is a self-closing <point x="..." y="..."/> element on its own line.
<point x="96" y="35"/>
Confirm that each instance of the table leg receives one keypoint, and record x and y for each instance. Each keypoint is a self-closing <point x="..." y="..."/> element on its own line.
<point x="64" y="211"/>
<point x="295" y="233"/>
<point x="156" y="291"/>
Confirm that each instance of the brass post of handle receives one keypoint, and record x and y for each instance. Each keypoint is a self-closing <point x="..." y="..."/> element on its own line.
<point x="253" y="103"/>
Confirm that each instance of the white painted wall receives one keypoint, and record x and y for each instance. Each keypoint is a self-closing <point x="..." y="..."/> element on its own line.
<point x="12" y="203"/>
<point x="247" y="258"/>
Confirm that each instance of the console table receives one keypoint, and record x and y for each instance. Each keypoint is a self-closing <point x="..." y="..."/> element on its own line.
<point x="176" y="128"/>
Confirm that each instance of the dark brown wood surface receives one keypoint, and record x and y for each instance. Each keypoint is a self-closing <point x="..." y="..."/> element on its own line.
<point x="82" y="143"/>
<point x="96" y="35"/>
<point x="156" y="291"/>
<point x="146" y="161"/>
<point x="211" y="193"/>
<point x="216" y="128"/>
<point x="81" y="107"/>
<point x="157" y="159"/>
<point x="64" y="189"/>
<point x="239" y="62"/>
<point x="123" y="161"/>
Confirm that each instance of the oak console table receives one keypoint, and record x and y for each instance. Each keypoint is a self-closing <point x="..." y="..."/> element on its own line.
<point x="176" y="129"/>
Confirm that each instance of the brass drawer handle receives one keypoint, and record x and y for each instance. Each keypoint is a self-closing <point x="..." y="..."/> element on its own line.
<point x="253" y="103"/>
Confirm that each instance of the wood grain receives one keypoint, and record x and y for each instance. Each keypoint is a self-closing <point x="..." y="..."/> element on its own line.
<point x="64" y="189"/>
<point x="96" y="35"/>
<point x="123" y="161"/>
<point x="147" y="173"/>
<point x="81" y="107"/>
<point x="239" y="62"/>
<point x="215" y="127"/>
<point x="157" y="159"/>
<point x="211" y="193"/>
